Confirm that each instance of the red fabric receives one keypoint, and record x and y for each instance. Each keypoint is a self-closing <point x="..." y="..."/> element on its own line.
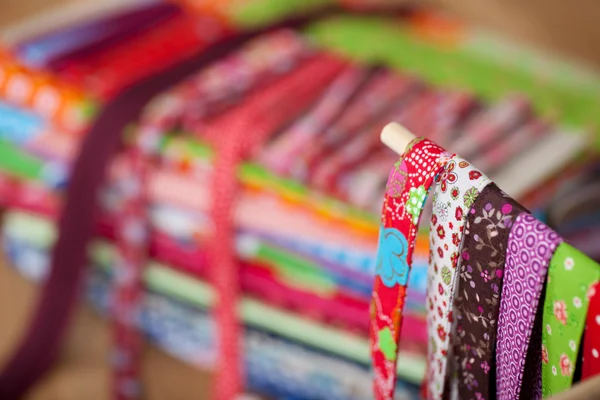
<point x="234" y="135"/>
<point x="404" y="199"/>
<point x="107" y="72"/>
<point x="591" y="345"/>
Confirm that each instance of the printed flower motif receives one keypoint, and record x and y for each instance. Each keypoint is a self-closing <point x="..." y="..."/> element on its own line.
<point x="454" y="259"/>
<point x="442" y="211"/>
<point x="446" y="275"/>
<point x="591" y="291"/>
<point x="485" y="367"/>
<point x="565" y="365"/>
<point x="440" y="252"/>
<point x="440" y="289"/>
<point x="553" y="370"/>
<point x="458" y="213"/>
<point x="416" y="199"/>
<point x="473" y="175"/>
<point x="441" y="333"/>
<point x="470" y="196"/>
<point x="441" y="232"/>
<point x="506" y="208"/>
<point x="569" y="263"/>
<point x="433" y="219"/>
<point x="479" y="396"/>
<point x="455" y="239"/>
<point x="463" y="164"/>
<point x="448" y="176"/>
<point x="397" y="179"/>
<point x="560" y="311"/>
<point x="548" y="329"/>
<point x="454" y="193"/>
<point x="485" y="275"/>
<point x="572" y="345"/>
<point x="392" y="266"/>
<point x="544" y="354"/>
<point x="387" y="344"/>
<point x="577" y="302"/>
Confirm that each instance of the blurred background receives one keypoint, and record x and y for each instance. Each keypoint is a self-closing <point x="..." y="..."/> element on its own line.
<point x="511" y="86"/>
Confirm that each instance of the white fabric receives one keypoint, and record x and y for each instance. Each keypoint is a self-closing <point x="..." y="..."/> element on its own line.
<point x="450" y="209"/>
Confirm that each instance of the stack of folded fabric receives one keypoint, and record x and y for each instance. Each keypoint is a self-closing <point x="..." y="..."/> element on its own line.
<point x="307" y="216"/>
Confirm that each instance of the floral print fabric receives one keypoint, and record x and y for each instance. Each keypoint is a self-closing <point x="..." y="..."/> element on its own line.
<point x="531" y="245"/>
<point x="571" y="278"/>
<point x="477" y="298"/>
<point x="405" y="196"/>
<point x="456" y="189"/>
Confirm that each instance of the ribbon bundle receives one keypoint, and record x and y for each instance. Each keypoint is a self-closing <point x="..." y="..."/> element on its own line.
<point x="492" y="267"/>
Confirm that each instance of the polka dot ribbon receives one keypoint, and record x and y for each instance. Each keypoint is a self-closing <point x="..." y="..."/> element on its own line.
<point x="531" y="244"/>
<point x="457" y="187"/>
<point x="406" y="191"/>
<point x="591" y="343"/>
<point x="571" y="279"/>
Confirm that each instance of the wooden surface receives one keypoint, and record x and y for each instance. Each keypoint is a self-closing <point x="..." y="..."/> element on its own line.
<point x="82" y="372"/>
<point x="570" y="28"/>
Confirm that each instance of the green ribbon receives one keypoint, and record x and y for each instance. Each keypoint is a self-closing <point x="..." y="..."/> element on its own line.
<point x="570" y="276"/>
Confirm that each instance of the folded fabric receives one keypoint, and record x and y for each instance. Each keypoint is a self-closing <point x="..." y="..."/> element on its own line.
<point x="27" y="232"/>
<point x="306" y="219"/>
<point x="185" y="330"/>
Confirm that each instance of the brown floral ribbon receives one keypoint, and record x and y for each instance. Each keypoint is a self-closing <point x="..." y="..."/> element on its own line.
<point x="477" y="298"/>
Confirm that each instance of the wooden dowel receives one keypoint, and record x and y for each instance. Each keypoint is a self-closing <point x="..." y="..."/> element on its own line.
<point x="396" y="137"/>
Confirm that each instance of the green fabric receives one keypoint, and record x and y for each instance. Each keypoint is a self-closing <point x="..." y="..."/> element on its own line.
<point x="163" y="279"/>
<point x="390" y="42"/>
<point x="570" y="276"/>
<point x="251" y="14"/>
<point x="18" y="163"/>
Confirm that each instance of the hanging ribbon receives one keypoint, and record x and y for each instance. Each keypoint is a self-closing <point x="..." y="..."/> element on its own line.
<point x="571" y="276"/>
<point x="591" y="343"/>
<point x="477" y="297"/>
<point x="457" y="187"/>
<point x="531" y="245"/>
<point x="405" y="196"/>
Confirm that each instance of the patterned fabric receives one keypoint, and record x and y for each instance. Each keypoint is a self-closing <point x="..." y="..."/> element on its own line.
<point x="67" y="106"/>
<point x="405" y="196"/>
<point x="477" y="297"/>
<point x="291" y="144"/>
<point x="571" y="278"/>
<point x="531" y="245"/>
<point x="491" y="124"/>
<point x="234" y="135"/>
<point x="591" y="343"/>
<point x="455" y="190"/>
